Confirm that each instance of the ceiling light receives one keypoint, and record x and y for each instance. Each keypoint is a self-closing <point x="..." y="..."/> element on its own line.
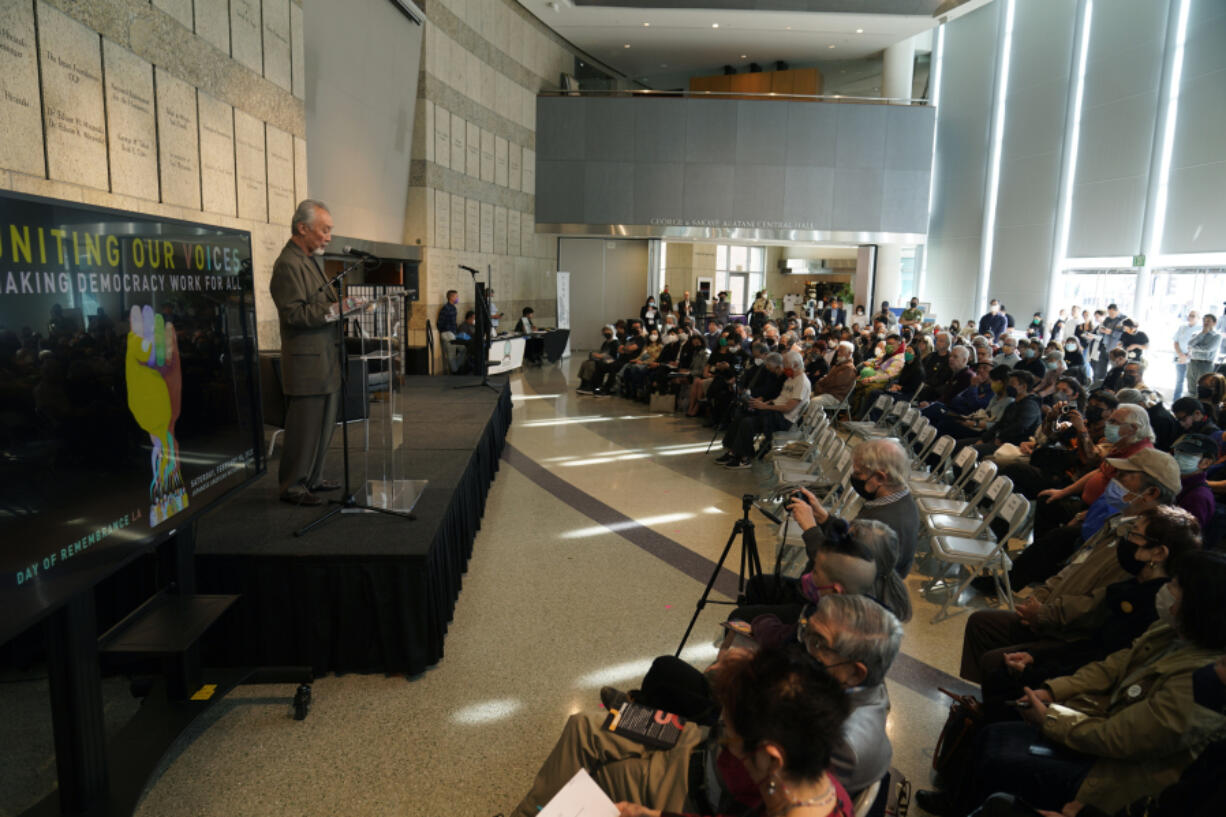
<point x="789" y="28"/>
<point x="859" y="31"/>
<point x="714" y="25"/>
<point x="830" y="46"/>
<point x="744" y="56"/>
<point x="627" y="45"/>
<point x="646" y="25"/>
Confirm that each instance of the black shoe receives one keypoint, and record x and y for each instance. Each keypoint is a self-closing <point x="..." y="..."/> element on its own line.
<point x="936" y="803"/>
<point x="737" y="464"/>
<point x="584" y="390"/>
<point x="725" y="459"/>
<point x="984" y="584"/>
<point x="613" y="698"/>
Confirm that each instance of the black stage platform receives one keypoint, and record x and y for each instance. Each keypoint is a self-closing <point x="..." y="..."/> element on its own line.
<point x="362" y="593"/>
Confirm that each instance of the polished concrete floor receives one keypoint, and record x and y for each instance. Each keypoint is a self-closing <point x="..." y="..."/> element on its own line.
<point x="598" y="537"/>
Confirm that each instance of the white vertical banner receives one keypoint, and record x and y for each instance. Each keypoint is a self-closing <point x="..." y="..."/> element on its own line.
<point x="563" y="309"/>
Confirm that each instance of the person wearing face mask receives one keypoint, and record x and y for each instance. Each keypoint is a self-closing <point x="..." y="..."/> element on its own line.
<point x="1032" y="360"/>
<point x="911" y="379"/>
<point x="836" y="385"/>
<point x="1126" y="432"/>
<point x="1017" y="422"/>
<point x="1075" y="361"/>
<point x="649" y="314"/>
<point x="1149" y="479"/>
<point x="666" y="364"/>
<point x="937" y="371"/>
<point x="1008" y="355"/>
<point x="634" y="375"/>
<point x="877" y="373"/>
<point x="1149" y="551"/>
<point x="850" y="641"/>
<point x="1194" y="453"/>
<point x="1036" y="329"/>
<point x="722" y="365"/>
<point x="589" y="371"/>
<point x="993" y="322"/>
<point x="1118" y="729"/>
<point x="768" y="417"/>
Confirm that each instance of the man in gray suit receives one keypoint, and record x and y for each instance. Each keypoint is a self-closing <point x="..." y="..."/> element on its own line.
<point x="307" y="307"/>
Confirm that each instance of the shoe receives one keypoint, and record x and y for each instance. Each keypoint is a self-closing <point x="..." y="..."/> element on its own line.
<point x="303" y="498"/>
<point x="738" y="464"/>
<point x="936" y="803"/>
<point x="984" y="584"/>
<point x="599" y="392"/>
<point x="613" y="698"/>
<point x="326" y="485"/>
<point x="725" y="459"/>
<point x="583" y="390"/>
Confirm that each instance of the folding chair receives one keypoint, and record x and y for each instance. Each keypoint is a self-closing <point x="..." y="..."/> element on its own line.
<point x="973" y="556"/>
<point x="890" y="410"/>
<point x="974" y="489"/>
<point x="942" y="448"/>
<point x="963" y="463"/>
<point x="976" y="522"/>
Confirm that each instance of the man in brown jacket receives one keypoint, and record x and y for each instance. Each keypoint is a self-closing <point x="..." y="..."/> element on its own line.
<point x="307" y="307"/>
<point x="834" y="387"/>
<point x="1045" y="620"/>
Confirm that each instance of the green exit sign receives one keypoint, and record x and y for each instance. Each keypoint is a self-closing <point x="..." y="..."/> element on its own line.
<point x="1138" y="260"/>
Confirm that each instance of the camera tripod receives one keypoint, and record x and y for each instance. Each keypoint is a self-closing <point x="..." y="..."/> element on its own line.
<point x="750" y="566"/>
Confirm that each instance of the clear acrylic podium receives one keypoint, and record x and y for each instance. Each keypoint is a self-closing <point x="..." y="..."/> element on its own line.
<point x="380" y="478"/>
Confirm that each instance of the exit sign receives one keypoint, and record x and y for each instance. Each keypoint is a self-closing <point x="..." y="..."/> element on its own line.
<point x="1138" y="260"/>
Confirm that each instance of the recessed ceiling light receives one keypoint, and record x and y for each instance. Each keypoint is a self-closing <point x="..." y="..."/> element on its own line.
<point x="789" y="28"/>
<point x="830" y="46"/>
<point x="744" y="56"/>
<point x="646" y="25"/>
<point x="859" y="31"/>
<point x="627" y="45"/>
<point x="714" y="25"/>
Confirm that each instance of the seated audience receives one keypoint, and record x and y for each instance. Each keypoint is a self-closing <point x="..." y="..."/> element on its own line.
<point x="1118" y="729"/>
<point x="836" y="385"/>
<point x="768" y="417"/>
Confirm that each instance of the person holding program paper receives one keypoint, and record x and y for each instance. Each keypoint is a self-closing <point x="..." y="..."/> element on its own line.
<point x="307" y="306"/>
<point x="781" y="714"/>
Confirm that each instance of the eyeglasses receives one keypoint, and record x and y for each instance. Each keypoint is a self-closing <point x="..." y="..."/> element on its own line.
<point x="1145" y="541"/>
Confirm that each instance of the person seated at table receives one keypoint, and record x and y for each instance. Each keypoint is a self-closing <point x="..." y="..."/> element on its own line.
<point x="1118" y="729"/>
<point x="534" y="348"/>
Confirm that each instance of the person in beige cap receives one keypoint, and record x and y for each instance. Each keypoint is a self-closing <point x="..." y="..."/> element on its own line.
<point x="1056" y="611"/>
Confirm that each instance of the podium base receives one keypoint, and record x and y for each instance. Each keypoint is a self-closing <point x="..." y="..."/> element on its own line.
<point x="398" y="495"/>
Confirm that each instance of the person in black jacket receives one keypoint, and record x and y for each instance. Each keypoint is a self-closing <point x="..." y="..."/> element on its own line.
<point x="1019" y="420"/>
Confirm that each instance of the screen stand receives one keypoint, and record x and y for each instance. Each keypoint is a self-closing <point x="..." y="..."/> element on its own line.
<point x="485" y="326"/>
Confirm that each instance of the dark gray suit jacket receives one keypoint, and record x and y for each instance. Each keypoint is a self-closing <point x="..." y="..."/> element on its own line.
<point x="310" y="359"/>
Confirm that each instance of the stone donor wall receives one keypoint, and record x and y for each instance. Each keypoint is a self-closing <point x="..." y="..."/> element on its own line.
<point x="189" y="109"/>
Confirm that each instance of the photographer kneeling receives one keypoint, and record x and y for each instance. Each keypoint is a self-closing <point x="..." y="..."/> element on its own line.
<point x="767" y="417"/>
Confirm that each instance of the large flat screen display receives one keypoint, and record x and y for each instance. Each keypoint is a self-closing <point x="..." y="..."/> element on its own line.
<point x="129" y="392"/>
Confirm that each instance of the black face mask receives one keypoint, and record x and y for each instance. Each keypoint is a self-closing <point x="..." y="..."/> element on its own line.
<point x="1128" y="381"/>
<point x="1126" y="555"/>
<point x="1011" y="391"/>
<point x="1094" y="414"/>
<point x="860" y="487"/>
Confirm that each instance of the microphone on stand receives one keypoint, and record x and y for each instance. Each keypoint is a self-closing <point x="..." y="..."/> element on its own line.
<point x="356" y="253"/>
<point x="469" y="269"/>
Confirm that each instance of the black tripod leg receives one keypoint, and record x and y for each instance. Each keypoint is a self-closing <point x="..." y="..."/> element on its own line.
<point x="702" y="600"/>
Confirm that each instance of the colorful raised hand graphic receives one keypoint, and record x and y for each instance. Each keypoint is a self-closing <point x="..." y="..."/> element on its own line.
<point x="155" y="387"/>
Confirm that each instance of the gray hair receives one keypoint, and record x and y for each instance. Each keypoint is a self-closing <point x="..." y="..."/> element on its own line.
<point x="884" y="455"/>
<point x="882" y="541"/>
<point x="1137" y="416"/>
<point x="794" y="361"/>
<point x="963" y="352"/>
<point x="305" y="213"/>
<point x="863" y="631"/>
<point x="773" y="359"/>
<point x="848" y="347"/>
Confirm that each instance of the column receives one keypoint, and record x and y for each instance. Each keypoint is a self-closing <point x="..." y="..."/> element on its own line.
<point x="897" y="70"/>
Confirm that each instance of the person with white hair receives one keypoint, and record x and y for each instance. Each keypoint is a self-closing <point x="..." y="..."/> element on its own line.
<point x="767" y="417"/>
<point x="879" y="471"/>
<point x="1127" y="431"/>
<point x="834" y="387"/>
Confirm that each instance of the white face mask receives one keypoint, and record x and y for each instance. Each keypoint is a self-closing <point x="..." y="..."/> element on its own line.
<point x="1189" y="463"/>
<point x="1163" y="603"/>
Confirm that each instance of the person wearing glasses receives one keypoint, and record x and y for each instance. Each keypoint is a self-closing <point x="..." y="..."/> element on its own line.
<point x="854" y="639"/>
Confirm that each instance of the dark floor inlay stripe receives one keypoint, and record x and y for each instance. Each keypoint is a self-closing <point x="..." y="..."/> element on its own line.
<point x="907" y="670"/>
<point x="657" y="544"/>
